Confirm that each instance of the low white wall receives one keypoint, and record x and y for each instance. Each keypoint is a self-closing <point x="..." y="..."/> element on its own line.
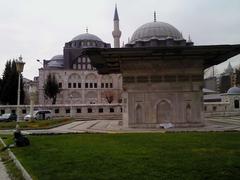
<point x="64" y="110"/>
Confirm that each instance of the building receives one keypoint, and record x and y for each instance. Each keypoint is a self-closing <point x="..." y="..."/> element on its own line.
<point x="162" y="75"/>
<point x="226" y="104"/>
<point x="77" y="78"/>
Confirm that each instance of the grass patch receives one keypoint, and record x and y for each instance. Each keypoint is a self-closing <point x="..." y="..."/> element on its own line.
<point x="133" y="156"/>
<point x="36" y="124"/>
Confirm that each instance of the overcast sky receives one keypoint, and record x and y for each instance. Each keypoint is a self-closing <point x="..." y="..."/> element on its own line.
<point x="38" y="29"/>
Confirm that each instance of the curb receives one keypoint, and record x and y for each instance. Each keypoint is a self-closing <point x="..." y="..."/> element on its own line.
<point x="18" y="164"/>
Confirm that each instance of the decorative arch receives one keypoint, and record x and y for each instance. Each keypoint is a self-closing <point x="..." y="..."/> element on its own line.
<point x="74" y="77"/>
<point x="188" y="113"/>
<point x="91" y="78"/>
<point x="236" y="104"/>
<point x="91" y="97"/>
<point x="138" y="114"/>
<point x="107" y="79"/>
<point x="75" y="94"/>
<point x="164" y="111"/>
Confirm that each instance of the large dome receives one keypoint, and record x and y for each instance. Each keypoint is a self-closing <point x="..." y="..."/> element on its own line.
<point x="233" y="90"/>
<point x="86" y="36"/>
<point x="156" y="30"/>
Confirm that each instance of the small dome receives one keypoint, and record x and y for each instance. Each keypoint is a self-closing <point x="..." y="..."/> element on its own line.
<point x="156" y="30"/>
<point x="86" y="36"/>
<point x="57" y="57"/>
<point x="233" y="90"/>
<point x="56" y="62"/>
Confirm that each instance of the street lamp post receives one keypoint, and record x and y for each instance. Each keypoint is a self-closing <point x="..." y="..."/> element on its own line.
<point x="19" y="67"/>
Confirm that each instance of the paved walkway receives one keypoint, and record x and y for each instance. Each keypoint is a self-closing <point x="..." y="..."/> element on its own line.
<point x="3" y="172"/>
<point x="113" y="126"/>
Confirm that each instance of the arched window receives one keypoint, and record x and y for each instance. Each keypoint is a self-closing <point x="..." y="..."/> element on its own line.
<point x="106" y="81"/>
<point x="90" y="80"/>
<point x="73" y="80"/>
<point x="236" y="104"/>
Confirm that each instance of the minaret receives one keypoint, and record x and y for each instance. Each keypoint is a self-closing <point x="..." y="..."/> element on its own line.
<point x="116" y="31"/>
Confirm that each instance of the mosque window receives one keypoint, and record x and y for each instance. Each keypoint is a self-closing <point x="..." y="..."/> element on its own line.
<point x="67" y="111"/>
<point x="69" y="85"/>
<point x="106" y="85"/>
<point x="84" y="66"/>
<point x="79" y="60"/>
<point x="79" y="85"/>
<point x="95" y="85"/>
<point x="89" y="67"/>
<point x="214" y="108"/>
<point x="83" y="59"/>
<point x="79" y="110"/>
<point x="111" y="110"/>
<point x="88" y="60"/>
<point x="82" y="43"/>
<point x="2" y="111"/>
<point x="74" y="85"/>
<point x="86" y="85"/>
<point x="102" y="85"/>
<point x="74" y="66"/>
<point x="60" y="85"/>
<point x="89" y="110"/>
<point x="56" y="111"/>
<point x="79" y="66"/>
<point x="100" y="110"/>
<point x="91" y="85"/>
<point x="111" y="85"/>
<point x="88" y="43"/>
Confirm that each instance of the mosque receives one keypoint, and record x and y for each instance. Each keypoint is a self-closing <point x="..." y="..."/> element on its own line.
<point x="157" y="76"/>
<point x="77" y="78"/>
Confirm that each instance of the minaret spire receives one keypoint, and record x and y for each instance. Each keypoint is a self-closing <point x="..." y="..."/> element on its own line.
<point x="155" y="18"/>
<point x="116" y="18"/>
<point x="116" y="31"/>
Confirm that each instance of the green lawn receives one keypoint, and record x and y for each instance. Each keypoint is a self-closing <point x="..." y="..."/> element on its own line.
<point x="133" y="156"/>
<point x="36" y="124"/>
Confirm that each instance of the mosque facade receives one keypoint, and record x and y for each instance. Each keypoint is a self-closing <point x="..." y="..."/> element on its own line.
<point x="78" y="80"/>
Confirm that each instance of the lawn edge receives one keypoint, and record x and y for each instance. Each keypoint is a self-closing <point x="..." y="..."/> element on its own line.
<point x="42" y="128"/>
<point x="25" y="174"/>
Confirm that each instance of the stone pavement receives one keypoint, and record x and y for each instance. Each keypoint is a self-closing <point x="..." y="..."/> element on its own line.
<point x="3" y="172"/>
<point x="113" y="126"/>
